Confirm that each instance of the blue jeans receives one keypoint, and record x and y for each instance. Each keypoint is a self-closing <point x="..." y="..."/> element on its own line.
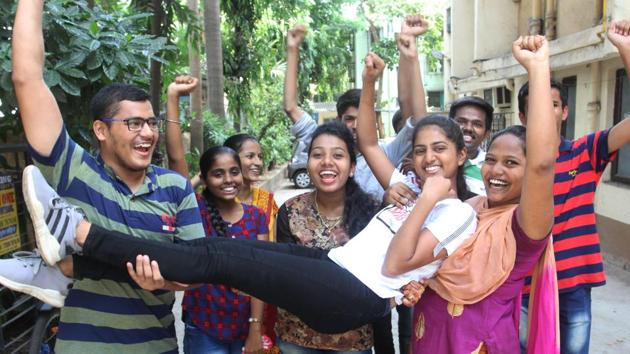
<point x="290" y="348"/>
<point x="575" y="322"/>
<point x="197" y="341"/>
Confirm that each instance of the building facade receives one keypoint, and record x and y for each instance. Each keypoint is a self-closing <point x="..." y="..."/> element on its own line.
<point x="478" y="61"/>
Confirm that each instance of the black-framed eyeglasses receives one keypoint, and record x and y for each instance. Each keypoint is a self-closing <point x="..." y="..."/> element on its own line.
<point x="135" y="124"/>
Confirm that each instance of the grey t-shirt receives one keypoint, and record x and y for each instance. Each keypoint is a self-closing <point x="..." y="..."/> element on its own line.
<point x="396" y="150"/>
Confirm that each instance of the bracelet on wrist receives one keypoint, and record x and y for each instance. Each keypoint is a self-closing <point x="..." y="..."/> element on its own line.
<point x="173" y="121"/>
<point x="254" y="320"/>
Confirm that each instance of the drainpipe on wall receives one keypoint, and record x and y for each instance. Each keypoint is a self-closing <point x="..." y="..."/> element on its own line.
<point x="550" y="20"/>
<point x="536" y="21"/>
<point x="593" y="107"/>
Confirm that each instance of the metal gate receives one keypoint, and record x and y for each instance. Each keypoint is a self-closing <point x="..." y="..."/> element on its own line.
<point x="17" y="311"/>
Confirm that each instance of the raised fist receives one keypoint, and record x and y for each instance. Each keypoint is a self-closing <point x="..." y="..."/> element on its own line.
<point x="436" y="187"/>
<point x="183" y="85"/>
<point x="414" y="25"/>
<point x="619" y="33"/>
<point x="531" y="50"/>
<point x="296" y="35"/>
<point x="373" y="68"/>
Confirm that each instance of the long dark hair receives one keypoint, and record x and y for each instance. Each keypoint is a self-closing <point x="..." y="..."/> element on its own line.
<point x="453" y="132"/>
<point x="359" y="207"/>
<point x="206" y="161"/>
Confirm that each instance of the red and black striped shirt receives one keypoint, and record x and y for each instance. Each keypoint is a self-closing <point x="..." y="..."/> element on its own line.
<point x="579" y="167"/>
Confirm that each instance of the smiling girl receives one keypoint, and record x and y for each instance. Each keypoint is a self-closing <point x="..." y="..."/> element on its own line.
<point x="472" y="304"/>
<point x="326" y="218"/>
<point x="252" y="167"/>
<point x="217" y="318"/>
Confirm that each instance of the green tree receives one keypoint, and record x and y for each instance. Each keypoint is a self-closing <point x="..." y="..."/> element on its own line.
<point x="86" y="49"/>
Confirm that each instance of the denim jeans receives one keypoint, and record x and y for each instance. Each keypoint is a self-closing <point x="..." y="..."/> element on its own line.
<point x="290" y="348"/>
<point x="575" y="322"/>
<point x="302" y="280"/>
<point x="197" y="341"/>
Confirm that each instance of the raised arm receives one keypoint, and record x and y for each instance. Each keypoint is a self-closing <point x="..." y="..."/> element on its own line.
<point x="535" y="212"/>
<point x="295" y="37"/>
<point x="182" y="86"/>
<point x="366" y="123"/>
<point x="37" y="106"/>
<point x="410" y="89"/>
<point x="619" y="36"/>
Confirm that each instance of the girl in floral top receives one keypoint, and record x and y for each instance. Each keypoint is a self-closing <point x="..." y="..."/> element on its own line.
<point x="324" y="219"/>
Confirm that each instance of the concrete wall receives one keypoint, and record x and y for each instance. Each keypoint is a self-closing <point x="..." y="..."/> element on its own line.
<point x="461" y="46"/>
<point x="577" y="15"/>
<point x="524" y="13"/>
<point x="494" y="27"/>
<point x="619" y="9"/>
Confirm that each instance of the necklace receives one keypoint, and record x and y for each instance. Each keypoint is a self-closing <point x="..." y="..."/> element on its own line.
<point x="325" y="220"/>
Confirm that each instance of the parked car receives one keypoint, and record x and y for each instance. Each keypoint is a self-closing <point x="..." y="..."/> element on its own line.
<point x="297" y="167"/>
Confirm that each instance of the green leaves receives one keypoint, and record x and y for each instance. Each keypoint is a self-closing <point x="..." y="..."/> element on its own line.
<point x="52" y="78"/>
<point x="86" y="49"/>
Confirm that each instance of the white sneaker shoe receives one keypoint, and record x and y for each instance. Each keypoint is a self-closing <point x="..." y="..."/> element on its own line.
<point x="54" y="220"/>
<point x="27" y="273"/>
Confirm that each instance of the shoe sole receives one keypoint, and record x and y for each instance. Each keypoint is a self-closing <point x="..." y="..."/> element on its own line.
<point x="46" y="243"/>
<point x="51" y="297"/>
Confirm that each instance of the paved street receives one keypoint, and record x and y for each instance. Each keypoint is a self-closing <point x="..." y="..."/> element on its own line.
<point x="611" y="308"/>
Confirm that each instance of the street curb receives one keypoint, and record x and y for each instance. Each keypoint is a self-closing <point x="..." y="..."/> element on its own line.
<point x="273" y="179"/>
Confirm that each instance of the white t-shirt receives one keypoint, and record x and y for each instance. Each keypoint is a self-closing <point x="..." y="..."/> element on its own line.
<point x="451" y="221"/>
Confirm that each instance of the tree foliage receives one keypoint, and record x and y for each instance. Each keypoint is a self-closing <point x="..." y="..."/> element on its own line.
<point x="86" y="49"/>
<point x="378" y="12"/>
<point x="254" y="63"/>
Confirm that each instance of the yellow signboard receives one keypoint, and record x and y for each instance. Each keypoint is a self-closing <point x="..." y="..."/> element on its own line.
<point x="9" y="226"/>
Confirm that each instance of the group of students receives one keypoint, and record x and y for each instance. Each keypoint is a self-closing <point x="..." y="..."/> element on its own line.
<point x="125" y="233"/>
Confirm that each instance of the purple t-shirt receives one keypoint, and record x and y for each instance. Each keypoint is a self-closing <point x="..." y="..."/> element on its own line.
<point x="490" y="321"/>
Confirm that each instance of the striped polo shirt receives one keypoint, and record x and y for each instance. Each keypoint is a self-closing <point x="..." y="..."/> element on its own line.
<point x="106" y="316"/>
<point x="472" y="173"/>
<point x="579" y="167"/>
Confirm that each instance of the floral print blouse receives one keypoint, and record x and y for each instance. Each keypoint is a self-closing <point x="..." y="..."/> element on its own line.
<point x="299" y="223"/>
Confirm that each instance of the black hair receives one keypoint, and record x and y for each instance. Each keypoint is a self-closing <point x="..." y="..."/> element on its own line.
<point x="206" y="161"/>
<point x="236" y="141"/>
<point x="105" y="103"/>
<point x="350" y="98"/>
<point x="453" y="133"/>
<point x="396" y="120"/>
<point x="518" y="131"/>
<point x="524" y="92"/>
<point x="359" y="207"/>
<point x="473" y="101"/>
